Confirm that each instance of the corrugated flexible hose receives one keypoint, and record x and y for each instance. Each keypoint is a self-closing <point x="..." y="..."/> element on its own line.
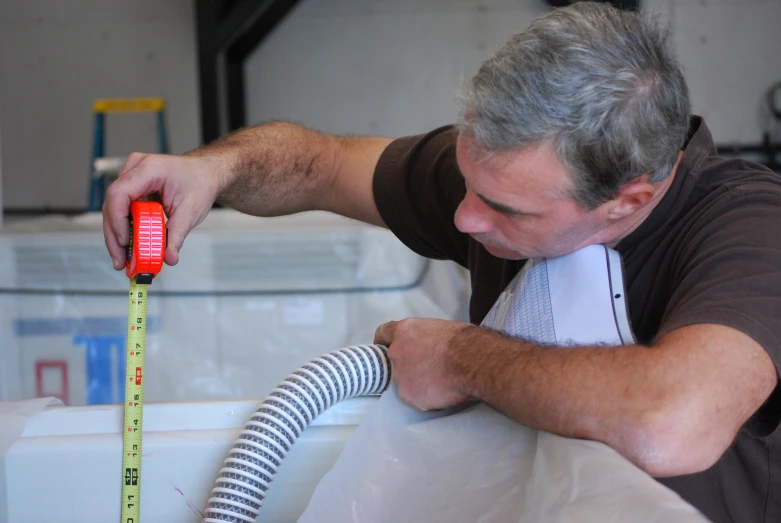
<point x="271" y="431"/>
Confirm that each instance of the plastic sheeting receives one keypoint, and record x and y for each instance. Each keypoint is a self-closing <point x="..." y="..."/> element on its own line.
<point x="472" y="463"/>
<point x="249" y="300"/>
<point x="14" y="415"/>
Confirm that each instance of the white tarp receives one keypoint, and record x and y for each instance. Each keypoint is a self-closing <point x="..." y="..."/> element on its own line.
<point x="472" y="463"/>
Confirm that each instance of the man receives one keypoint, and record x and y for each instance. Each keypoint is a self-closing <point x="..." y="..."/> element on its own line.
<point x="578" y="131"/>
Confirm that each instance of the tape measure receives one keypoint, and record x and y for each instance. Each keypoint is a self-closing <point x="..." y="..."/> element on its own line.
<point x="144" y="254"/>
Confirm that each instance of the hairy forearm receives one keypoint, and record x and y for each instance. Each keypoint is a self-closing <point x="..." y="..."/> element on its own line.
<point x="273" y="169"/>
<point x="611" y="394"/>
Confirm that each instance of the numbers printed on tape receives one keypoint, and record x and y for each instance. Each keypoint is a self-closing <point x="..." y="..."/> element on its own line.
<point x="131" y="476"/>
<point x="134" y="403"/>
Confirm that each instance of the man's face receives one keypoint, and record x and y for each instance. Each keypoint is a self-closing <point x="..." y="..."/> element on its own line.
<point x="518" y="203"/>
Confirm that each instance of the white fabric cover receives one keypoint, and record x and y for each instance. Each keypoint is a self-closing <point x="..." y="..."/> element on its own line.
<point x="472" y="463"/>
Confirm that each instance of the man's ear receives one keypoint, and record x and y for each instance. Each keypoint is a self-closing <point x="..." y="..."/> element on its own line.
<point x="632" y="196"/>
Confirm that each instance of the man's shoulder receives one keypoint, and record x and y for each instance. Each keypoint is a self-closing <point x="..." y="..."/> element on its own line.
<point x="417" y="188"/>
<point x="737" y="177"/>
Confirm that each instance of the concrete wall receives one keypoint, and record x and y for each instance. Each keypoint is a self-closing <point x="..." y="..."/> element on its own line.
<point x="391" y="67"/>
<point x="56" y="56"/>
<point x="374" y="66"/>
<point x="731" y="54"/>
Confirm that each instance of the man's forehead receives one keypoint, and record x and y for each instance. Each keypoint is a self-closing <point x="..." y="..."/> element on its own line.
<point x="535" y="166"/>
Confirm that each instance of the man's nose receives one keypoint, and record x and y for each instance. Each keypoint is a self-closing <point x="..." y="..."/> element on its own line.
<point x="471" y="216"/>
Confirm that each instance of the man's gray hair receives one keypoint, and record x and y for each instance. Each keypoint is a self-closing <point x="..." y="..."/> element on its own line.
<point x="600" y="82"/>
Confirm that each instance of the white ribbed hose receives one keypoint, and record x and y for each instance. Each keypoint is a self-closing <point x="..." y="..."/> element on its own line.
<point x="271" y="431"/>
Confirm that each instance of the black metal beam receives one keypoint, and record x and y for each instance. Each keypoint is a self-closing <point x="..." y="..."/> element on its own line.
<point x="234" y="84"/>
<point x="239" y="19"/>
<point x="228" y="32"/>
<point x="208" y="70"/>
<point x="241" y="49"/>
<point x="767" y="151"/>
<point x="258" y="31"/>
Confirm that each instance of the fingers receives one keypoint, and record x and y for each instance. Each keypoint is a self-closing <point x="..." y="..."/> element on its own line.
<point x="115" y="250"/>
<point x="131" y="185"/>
<point x="385" y="333"/>
<point x="179" y="226"/>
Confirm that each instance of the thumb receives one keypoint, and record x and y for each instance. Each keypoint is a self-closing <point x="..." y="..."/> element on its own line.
<point x="181" y="222"/>
<point x="176" y="233"/>
<point x="385" y="333"/>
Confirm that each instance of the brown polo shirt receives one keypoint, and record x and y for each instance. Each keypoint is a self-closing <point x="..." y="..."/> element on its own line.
<point x="710" y="252"/>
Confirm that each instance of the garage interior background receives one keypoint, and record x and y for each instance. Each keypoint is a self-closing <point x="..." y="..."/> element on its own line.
<point x="385" y="67"/>
<point x="367" y="67"/>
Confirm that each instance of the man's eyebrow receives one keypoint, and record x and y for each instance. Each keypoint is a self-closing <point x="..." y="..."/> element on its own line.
<point x="498" y="207"/>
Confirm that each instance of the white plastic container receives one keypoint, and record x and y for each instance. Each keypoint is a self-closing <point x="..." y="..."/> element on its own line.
<point x="66" y="466"/>
<point x="250" y="300"/>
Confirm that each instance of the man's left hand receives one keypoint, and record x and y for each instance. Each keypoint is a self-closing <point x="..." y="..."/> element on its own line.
<point x="419" y="350"/>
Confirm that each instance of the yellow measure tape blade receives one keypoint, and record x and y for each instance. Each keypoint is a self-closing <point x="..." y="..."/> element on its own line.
<point x="134" y="402"/>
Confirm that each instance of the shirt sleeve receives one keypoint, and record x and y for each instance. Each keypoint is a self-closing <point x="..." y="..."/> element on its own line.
<point x="417" y="188"/>
<point x="730" y="274"/>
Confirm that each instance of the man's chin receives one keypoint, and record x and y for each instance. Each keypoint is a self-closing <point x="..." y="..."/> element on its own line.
<point x="500" y="252"/>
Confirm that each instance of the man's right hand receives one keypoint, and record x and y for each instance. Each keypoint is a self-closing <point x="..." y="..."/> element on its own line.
<point x="187" y="186"/>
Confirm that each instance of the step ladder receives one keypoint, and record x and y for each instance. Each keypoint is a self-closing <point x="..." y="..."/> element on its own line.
<point x="105" y="170"/>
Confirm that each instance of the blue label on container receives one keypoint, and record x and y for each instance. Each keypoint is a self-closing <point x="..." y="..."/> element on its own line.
<point x="99" y="351"/>
<point x="104" y="342"/>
